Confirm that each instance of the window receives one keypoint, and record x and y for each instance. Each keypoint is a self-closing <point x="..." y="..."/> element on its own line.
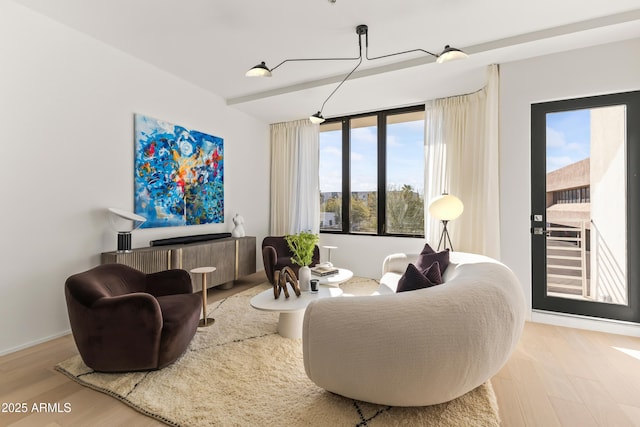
<point x="378" y="160"/>
<point x="575" y="195"/>
<point x="331" y="176"/>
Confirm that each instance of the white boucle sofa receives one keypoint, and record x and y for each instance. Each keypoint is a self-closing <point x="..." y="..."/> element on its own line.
<point x="420" y="347"/>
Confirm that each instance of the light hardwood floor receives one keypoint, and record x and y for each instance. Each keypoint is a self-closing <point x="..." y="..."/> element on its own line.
<point x="556" y="377"/>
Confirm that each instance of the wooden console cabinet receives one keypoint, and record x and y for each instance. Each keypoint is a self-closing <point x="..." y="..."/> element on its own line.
<point x="233" y="257"/>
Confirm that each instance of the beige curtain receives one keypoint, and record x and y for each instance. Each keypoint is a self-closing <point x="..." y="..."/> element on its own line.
<point x="462" y="159"/>
<point x="295" y="187"/>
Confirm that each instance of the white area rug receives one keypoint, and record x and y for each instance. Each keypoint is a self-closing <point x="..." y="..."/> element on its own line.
<point x="240" y="372"/>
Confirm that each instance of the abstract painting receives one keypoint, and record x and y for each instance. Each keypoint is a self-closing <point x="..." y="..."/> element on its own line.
<point x="179" y="174"/>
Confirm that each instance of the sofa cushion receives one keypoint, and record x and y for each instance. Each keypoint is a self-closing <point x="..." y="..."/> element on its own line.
<point x="426" y="259"/>
<point x="433" y="273"/>
<point x="413" y="279"/>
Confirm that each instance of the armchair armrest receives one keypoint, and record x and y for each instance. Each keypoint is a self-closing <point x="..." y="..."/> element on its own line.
<point x="269" y="258"/>
<point x="169" y="282"/>
<point x="118" y="332"/>
<point x="397" y="263"/>
<point x="129" y="310"/>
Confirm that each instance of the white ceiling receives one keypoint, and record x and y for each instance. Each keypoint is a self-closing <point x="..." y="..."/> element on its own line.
<point x="212" y="43"/>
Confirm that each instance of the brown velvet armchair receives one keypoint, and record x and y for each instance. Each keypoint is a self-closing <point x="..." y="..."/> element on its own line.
<point x="276" y="255"/>
<point x="126" y="320"/>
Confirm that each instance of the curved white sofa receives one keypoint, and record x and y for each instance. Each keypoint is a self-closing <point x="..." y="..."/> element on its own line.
<point x="420" y="347"/>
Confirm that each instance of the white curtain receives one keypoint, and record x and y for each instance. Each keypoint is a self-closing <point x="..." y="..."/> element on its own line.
<point x="462" y="159"/>
<point x="295" y="187"/>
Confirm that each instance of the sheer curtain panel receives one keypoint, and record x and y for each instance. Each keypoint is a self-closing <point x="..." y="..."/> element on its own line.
<point x="295" y="187"/>
<point x="462" y="158"/>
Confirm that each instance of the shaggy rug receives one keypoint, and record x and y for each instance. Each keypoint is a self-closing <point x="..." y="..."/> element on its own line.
<point x="240" y="372"/>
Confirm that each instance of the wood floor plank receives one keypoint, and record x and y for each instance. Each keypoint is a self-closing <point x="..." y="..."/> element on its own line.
<point x="573" y="414"/>
<point x="509" y="408"/>
<point x="633" y="413"/>
<point x="600" y="405"/>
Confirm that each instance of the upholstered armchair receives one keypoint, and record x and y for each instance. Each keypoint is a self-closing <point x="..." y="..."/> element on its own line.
<point x="126" y="320"/>
<point x="276" y="255"/>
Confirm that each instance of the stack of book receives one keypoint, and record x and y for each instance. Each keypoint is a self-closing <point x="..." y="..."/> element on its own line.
<point x="323" y="271"/>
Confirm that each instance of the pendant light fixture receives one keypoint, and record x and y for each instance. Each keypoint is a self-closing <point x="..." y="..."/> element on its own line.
<point x="448" y="54"/>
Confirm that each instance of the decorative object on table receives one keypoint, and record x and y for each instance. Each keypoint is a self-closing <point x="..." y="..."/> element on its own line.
<point x="314" y="285"/>
<point x="322" y="270"/>
<point x="302" y="247"/>
<point x="282" y="277"/>
<point x="125" y="320"/>
<point x="244" y="345"/>
<point x="178" y="174"/>
<point x="203" y="271"/>
<point x="276" y="255"/>
<point x="448" y="54"/>
<point x="445" y="208"/>
<point x="238" y="230"/>
<point x="124" y="223"/>
<point x="328" y="248"/>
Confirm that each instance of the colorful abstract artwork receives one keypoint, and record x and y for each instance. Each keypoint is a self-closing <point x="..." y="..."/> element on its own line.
<point x="179" y="174"/>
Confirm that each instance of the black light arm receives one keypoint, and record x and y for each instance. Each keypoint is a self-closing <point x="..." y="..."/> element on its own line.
<point x="338" y="87"/>
<point x="317" y="59"/>
<point x="449" y="53"/>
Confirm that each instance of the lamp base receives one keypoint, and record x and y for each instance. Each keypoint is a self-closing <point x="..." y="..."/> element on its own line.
<point x="124" y="241"/>
<point x="444" y="237"/>
<point x="206" y="322"/>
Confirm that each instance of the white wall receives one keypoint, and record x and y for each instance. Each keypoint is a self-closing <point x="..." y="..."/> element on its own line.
<point x="364" y="254"/>
<point x="592" y="71"/>
<point x="66" y="133"/>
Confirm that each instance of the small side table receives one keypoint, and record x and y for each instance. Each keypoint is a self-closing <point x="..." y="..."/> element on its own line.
<point x="205" y="321"/>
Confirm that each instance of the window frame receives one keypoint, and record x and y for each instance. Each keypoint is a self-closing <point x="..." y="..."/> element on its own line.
<point x="381" y="123"/>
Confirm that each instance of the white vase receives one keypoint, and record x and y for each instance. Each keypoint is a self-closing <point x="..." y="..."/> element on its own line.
<point x="304" y="277"/>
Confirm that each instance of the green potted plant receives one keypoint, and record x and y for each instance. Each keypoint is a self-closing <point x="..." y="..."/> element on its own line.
<point x="302" y="246"/>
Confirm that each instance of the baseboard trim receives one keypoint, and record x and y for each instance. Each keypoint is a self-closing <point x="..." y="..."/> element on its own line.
<point x="584" y="322"/>
<point x="24" y="346"/>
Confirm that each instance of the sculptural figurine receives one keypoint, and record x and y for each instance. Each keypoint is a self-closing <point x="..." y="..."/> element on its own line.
<point x="280" y="280"/>
<point x="238" y="230"/>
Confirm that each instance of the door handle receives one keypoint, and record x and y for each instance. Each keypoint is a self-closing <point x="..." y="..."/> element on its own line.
<point x="539" y="231"/>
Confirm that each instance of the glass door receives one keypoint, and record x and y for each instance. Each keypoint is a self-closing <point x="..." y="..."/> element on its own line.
<point x="585" y="184"/>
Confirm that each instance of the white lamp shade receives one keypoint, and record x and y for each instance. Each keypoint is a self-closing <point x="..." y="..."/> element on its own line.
<point x="259" y="70"/>
<point x="446" y="207"/>
<point x="123" y="221"/>
<point x="317" y="118"/>
<point x="451" y="54"/>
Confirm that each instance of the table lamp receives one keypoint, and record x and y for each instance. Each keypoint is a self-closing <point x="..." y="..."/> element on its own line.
<point x="445" y="208"/>
<point x="124" y="223"/>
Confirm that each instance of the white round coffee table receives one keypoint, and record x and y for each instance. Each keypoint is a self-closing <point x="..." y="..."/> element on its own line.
<point x="335" y="279"/>
<point x="291" y="309"/>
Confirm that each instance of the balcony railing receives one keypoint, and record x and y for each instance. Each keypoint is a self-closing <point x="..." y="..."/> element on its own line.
<point x="567" y="264"/>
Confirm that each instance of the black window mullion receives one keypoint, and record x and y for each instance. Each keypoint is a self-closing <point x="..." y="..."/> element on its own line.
<point x="346" y="175"/>
<point x="382" y="173"/>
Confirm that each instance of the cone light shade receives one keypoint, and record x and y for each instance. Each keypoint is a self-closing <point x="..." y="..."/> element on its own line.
<point x="317" y="118"/>
<point x="450" y="54"/>
<point x="260" y="70"/>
